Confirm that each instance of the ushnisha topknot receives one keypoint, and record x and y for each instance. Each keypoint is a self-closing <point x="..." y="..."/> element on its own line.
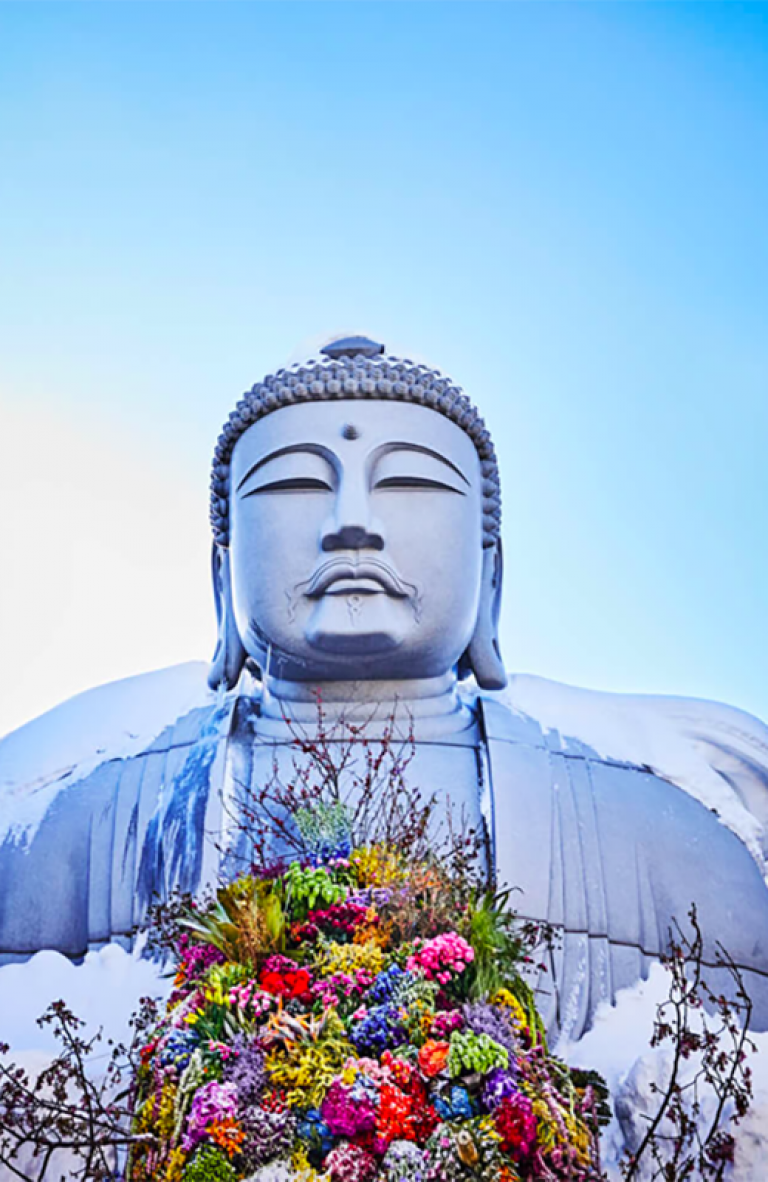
<point x="355" y="367"/>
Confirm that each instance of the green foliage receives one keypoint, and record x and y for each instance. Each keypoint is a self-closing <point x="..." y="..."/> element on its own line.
<point x="246" y="921"/>
<point x="521" y="990"/>
<point x="490" y="928"/>
<point x="209" y="1165"/>
<point x="308" y="888"/>
<point x="325" y="829"/>
<point x="592" y="1079"/>
<point x="475" y="1053"/>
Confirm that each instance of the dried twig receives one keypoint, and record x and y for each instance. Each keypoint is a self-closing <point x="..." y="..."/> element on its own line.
<point x="712" y="1029"/>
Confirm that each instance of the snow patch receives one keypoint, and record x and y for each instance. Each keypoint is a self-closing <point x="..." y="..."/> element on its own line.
<point x="104" y="990"/>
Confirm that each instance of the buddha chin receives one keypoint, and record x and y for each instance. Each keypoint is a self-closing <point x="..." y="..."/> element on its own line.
<point x="358" y="623"/>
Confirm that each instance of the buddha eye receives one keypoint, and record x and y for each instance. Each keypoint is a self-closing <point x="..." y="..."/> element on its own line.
<point x="415" y="482"/>
<point x="291" y="484"/>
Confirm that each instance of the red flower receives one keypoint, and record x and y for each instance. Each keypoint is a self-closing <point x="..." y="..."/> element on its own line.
<point x="273" y="983"/>
<point x="289" y="983"/>
<point x="516" y="1122"/>
<point x="401" y="1071"/>
<point x="395" y="1119"/>
<point x="298" y="982"/>
<point x="146" y="1053"/>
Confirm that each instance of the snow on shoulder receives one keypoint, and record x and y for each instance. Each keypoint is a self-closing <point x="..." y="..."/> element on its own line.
<point x="715" y="753"/>
<point x="64" y="745"/>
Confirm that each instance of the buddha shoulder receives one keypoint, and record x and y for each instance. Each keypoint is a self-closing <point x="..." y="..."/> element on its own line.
<point x="69" y="743"/>
<point x="715" y="753"/>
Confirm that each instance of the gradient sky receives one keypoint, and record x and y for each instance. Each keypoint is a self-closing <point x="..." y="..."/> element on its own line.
<point x="564" y="206"/>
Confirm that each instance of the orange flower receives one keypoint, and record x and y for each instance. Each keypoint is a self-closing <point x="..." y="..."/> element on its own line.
<point x="227" y="1133"/>
<point x="433" y="1057"/>
<point x="374" y="932"/>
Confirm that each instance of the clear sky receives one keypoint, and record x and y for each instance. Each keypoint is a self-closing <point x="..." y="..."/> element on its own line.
<point x="564" y="206"/>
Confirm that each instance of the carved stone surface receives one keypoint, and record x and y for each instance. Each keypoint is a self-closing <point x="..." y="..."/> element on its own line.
<point x="357" y="550"/>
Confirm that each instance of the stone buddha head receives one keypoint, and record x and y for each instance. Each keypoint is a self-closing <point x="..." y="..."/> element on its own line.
<point x="355" y="506"/>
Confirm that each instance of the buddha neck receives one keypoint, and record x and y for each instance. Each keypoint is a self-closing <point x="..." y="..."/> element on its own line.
<point x="433" y="704"/>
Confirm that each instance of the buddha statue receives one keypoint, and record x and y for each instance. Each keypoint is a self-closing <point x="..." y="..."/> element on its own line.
<point x="356" y="509"/>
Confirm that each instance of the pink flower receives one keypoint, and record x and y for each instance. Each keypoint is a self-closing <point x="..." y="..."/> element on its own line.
<point x="349" y="1163"/>
<point x="441" y="957"/>
<point x="223" y="1049"/>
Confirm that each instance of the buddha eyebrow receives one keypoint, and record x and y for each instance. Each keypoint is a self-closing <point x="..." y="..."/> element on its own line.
<point x="313" y="448"/>
<point x="426" y="451"/>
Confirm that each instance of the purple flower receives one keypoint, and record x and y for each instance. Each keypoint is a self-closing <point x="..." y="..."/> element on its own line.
<point x="484" y="1018"/>
<point x="350" y="1163"/>
<point x="213" y="1101"/>
<point x="446" y="1022"/>
<point x="197" y="958"/>
<point x="246" y="1071"/>
<point x="269" y="1132"/>
<point x="500" y="1084"/>
<point x="381" y="1028"/>
<point x="346" y="1115"/>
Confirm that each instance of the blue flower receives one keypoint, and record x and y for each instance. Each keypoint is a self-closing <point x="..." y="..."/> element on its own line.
<point x="312" y="1129"/>
<point x="380" y="1029"/>
<point x="178" y="1048"/>
<point x="455" y="1105"/>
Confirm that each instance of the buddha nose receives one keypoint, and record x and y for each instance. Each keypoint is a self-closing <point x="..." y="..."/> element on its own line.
<point x="351" y="526"/>
<point x="352" y="537"/>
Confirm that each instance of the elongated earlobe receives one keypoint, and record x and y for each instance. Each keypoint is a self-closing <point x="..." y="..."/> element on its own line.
<point x="483" y="656"/>
<point x="230" y="656"/>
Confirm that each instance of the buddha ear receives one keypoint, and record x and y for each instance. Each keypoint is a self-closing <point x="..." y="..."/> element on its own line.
<point x="483" y="656"/>
<point x="230" y="656"/>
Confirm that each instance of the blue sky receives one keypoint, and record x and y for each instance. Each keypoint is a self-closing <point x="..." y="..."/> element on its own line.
<point x="561" y="205"/>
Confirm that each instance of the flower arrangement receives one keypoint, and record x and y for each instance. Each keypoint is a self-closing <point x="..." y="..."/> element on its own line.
<point x="327" y="1023"/>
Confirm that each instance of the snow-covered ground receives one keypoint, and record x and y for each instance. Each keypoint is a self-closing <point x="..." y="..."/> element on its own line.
<point x="104" y="991"/>
<point x="618" y="1047"/>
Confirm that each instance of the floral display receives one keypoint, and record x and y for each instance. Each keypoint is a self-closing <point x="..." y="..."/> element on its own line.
<point x="352" y="1018"/>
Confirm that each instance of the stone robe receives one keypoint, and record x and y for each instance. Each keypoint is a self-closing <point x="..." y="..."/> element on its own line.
<point x="601" y="847"/>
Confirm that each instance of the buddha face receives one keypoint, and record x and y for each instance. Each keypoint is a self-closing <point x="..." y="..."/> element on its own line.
<point x="356" y="543"/>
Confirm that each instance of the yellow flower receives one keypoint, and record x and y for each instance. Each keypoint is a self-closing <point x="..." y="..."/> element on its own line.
<point x="489" y="1130"/>
<point x="147" y="1115"/>
<point x="378" y="865"/>
<point x="503" y="997"/>
<point x="548" y="1134"/>
<point x="165" y="1115"/>
<point x="175" y="1168"/>
<point x="306" y="1070"/>
<point x="578" y="1136"/>
<point x="351" y="958"/>
<point x="302" y="1170"/>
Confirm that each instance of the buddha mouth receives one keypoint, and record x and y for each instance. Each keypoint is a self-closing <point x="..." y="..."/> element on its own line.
<point x="368" y="576"/>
